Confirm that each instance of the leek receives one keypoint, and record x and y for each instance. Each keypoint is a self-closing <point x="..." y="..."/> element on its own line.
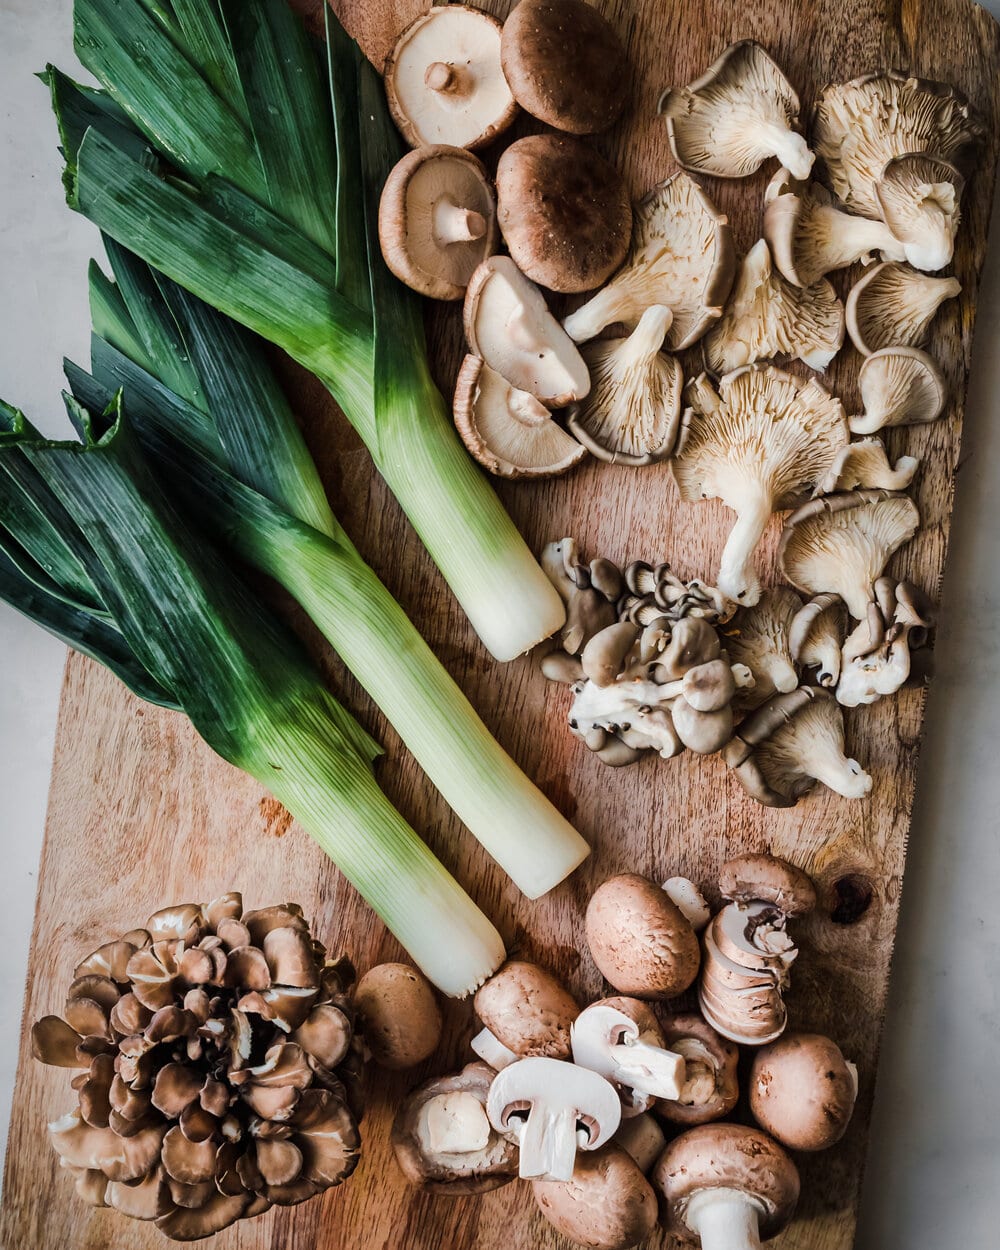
<point x="250" y="175"/>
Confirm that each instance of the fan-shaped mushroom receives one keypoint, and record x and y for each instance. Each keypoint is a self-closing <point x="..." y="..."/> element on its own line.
<point x="759" y="443"/>
<point x="864" y="463"/>
<point x="899" y="386"/>
<point x="816" y="636"/>
<point x="681" y="256"/>
<point x="919" y="197"/>
<point x="759" y="638"/>
<point x="738" y="114"/>
<point x="893" y="306"/>
<point x="607" y="1204"/>
<point x="876" y="656"/>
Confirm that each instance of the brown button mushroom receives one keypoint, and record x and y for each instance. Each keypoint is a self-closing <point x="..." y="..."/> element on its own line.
<point x="710" y="1090"/>
<point x="752" y="877"/>
<point x="621" y="1040"/>
<point x="607" y="1204"/>
<point x="437" y="220"/>
<point x="802" y="1091"/>
<point x="893" y="306"/>
<point x="642" y="1138"/>
<point x="565" y="64"/>
<point x="443" y="1139"/>
<point x="563" y="210"/>
<point x="444" y="82"/>
<point x="640" y="941"/>
<point x="525" y="1011"/>
<point x="726" y="1186"/>
<point x="398" y="1015"/>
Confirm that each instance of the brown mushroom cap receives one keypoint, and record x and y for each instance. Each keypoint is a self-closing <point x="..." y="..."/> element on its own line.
<point x="607" y="1205"/>
<point x="565" y="64"/>
<point x="528" y="1010"/>
<point x="398" y="1015"/>
<point x="766" y="878"/>
<point x="802" y="1091"/>
<point x="640" y="941"/>
<point x="711" y="1088"/>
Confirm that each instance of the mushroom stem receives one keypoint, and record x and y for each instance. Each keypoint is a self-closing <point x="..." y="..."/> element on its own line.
<point x="453" y="1123"/>
<point x="843" y="776"/>
<point x="548" y="1141"/>
<point x="453" y="224"/>
<point x="650" y="1070"/>
<point x="446" y="79"/>
<point x="783" y="675"/>
<point x="724" y="1219"/>
<point x="491" y="1050"/>
<point x="841" y="238"/>
<point x="737" y="577"/>
<point x="647" y="337"/>
<point x="787" y="145"/>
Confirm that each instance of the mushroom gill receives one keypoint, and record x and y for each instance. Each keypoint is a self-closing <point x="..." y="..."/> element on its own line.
<point x="899" y="386"/>
<point x="864" y="463"/>
<point x="759" y="638"/>
<point x="919" y="198"/>
<point x="894" y="305"/>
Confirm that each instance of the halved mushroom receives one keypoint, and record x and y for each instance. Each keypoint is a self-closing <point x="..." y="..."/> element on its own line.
<point x="398" y="1015"/>
<point x="767" y="317"/>
<point x="620" y="1039"/>
<point x="508" y="431"/>
<point x="607" y="1204"/>
<point x="525" y="1011"/>
<point x="759" y="637"/>
<point x="919" y="197"/>
<point x="632" y="415"/>
<point x="841" y="543"/>
<point x="444" y="82"/>
<point x="759" y="443"/>
<point x="741" y="112"/>
<point x="899" y="386"/>
<point x="893" y="306"/>
<point x="711" y="1089"/>
<point x="508" y="324"/>
<point x="681" y="256"/>
<point x="864" y="463"/>
<point x="802" y="1091"/>
<point x="437" y="220"/>
<point x="816" y="636"/>
<point x="876" y="656"/>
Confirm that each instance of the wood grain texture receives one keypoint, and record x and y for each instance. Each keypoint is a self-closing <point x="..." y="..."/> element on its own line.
<point x="142" y="813"/>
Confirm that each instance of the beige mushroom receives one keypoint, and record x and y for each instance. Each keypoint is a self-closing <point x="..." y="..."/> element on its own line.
<point x="919" y="198"/>
<point x="607" y="1204"/>
<point x="642" y="1139"/>
<point x="398" y="1015"/>
<point x="741" y="112"/>
<point x="756" y="877"/>
<point x="899" y="386"/>
<point x="524" y="1011"/>
<point x="816" y="636"/>
<point x="893" y="306"/>
<point x="759" y="637"/>
<point x="802" y="1091"/>
<point x="444" y="82"/>
<point x="620" y="1039"/>
<point x="711" y="1088"/>
<point x="681" y="256"/>
<point x="864" y="464"/>
<point x="876" y="656"/>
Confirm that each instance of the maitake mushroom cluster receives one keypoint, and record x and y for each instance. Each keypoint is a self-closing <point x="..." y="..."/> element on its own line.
<point x="219" y="1071"/>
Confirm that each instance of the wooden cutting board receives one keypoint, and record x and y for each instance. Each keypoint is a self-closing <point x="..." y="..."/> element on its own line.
<point x="141" y="813"/>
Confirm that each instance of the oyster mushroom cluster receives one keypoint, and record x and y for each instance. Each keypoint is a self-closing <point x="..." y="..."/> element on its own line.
<point x="219" y="1071"/>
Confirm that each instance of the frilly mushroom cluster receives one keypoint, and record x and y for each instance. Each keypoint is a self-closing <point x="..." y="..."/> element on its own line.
<point x="219" y="1071"/>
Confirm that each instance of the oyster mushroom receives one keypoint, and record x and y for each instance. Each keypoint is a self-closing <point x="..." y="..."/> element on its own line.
<point x="759" y="637"/>
<point x="841" y="543"/>
<point x="681" y="256"/>
<point x="443" y="1140"/>
<point x="919" y="198"/>
<point x="899" y="386"/>
<point x="741" y="112"/>
<point x="398" y="1015"/>
<point x="590" y="600"/>
<point x="444" y="82"/>
<point x="508" y="431"/>
<point x="816" y="636"/>
<point x="788" y="744"/>
<point x="802" y="1091"/>
<point x="893" y="306"/>
<point x="607" y="1204"/>
<point x="632" y="415"/>
<point x="876" y="656"/>
<point x="710" y="1089"/>
<point x="620" y="1039"/>
<point x="525" y="1012"/>
<point x="759" y="443"/>
<point x="864" y="463"/>
<point x="768" y="317"/>
<point x="642" y="1139"/>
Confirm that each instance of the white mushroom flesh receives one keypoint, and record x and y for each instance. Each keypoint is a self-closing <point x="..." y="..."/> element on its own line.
<point x="899" y="386"/>
<point x="690" y="901"/>
<point x="453" y="1123"/>
<point x="637" y="711"/>
<point x="894" y="305"/>
<point x="811" y="744"/>
<point x="725" y="1219"/>
<point x="491" y="1050"/>
<point x="919" y="198"/>
<point x="864" y="464"/>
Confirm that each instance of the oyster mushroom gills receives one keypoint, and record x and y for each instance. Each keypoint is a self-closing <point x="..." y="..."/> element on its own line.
<point x="760" y="638"/>
<point x="607" y="1204"/>
<point x="899" y="386"/>
<point x="803" y="1090"/>
<point x="816" y="635"/>
<point x="893" y="306"/>
<point x="877" y="655"/>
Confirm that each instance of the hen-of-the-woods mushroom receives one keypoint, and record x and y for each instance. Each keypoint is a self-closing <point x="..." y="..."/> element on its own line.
<point x="841" y="543"/>
<point x="759" y="637"/>
<point x="767" y="317"/>
<point x="919" y="198"/>
<point x="681" y="256"/>
<point x="876" y="656"/>
<point x="741" y="112"/>
<point x="632" y="414"/>
<point x="865" y="464"/>
<point x="759" y="443"/>
<point x="899" y="386"/>
<point x="816" y="636"/>
<point x="893" y="306"/>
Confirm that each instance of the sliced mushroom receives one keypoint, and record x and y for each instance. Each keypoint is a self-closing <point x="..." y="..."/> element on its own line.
<point x="508" y="324"/>
<point x="681" y="256"/>
<point x="759" y="637"/>
<point x="711" y="1089"/>
<point x="876" y="656"/>
<point x="899" y="386"/>
<point x="607" y="1204"/>
<point x="748" y="953"/>
<point x="759" y="443"/>
<point x="767" y="317"/>
<point x="863" y="463"/>
<point x="802" y="1091"/>
<point x="816" y="636"/>
<point x="398" y="1014"/>
<point x="620" y="1039"/>
<point x="741" y="112"/>
<point x="893" y="306"/>
<point x="919" y="197"/>
<point x="525" y="1010"/>
<point x="437" y="220"/>
<point x="841" y="543"/>
<point x="444" y="82"/>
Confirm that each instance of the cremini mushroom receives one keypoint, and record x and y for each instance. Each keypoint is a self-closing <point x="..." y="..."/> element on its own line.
<point x="711" y="1088"/>
<point x="816" y="636"/>
<point x="508" y="324"/>
<point x="741" y="112"/>
<point x="552" y="1109"/>
<point x="641" y="1137"/>
<point x="759" y="443"/>
<point x="685" y="895"/>
<point x="802" y="1091"/>
<point x="876" y="656"/>
<point x="842" y="543"/>
<point x="759" y="637"/>
<point x="788" y="744"/>
<point x="864" y="464"/>
<point x="919" y="195"/>
<point x="565" y="64"/>
<point x="607" y="1204"/>
<point x="899" y="386"/>
<point x="621" y="1040"/>
<point x="640" y="941"/>
<point x="681" y="256"/>
<point x="726" y="1187"/>
<point x="767" y="317"/>
<point x="508" y="431"/>
<point x="398" y="1014"/>
<point x="524" y="1011"/>
<point x="632" y="415"/>
<point x="893" y="306"/>
<point x="443" y="1140"/>
<point x="444" y="82"/>
<point x="758" y="877"/>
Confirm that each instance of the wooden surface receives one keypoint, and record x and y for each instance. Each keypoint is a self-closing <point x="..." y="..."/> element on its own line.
<point x="141" y="813"/>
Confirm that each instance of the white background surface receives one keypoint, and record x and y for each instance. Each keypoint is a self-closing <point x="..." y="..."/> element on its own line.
<point x="933" y="1180"/>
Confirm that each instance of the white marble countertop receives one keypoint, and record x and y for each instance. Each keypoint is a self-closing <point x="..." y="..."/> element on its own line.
<point x="934" y="1166"/>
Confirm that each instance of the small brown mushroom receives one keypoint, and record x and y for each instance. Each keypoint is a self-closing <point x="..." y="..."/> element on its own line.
<point x="398" y="1015"/>
<point x="766" y="878"/>
<point x="607" y="1204"/>
<point x="802" y="1091"/>
<point x="642" y="1139"/>
<point x="524" y="1011"/>
<point x="711" y="1088"/>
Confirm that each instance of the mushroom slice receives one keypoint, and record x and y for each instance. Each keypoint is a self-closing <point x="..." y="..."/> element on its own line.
<point x="444" y="82"/>
<point x="525" y="1011"/>
<point x="767" y="317"/>
<point x="620" y="1039"/>
<point x="508" y="431"/>
<point x="816" y="635"/>
<point x="841" y="543"/>
<point x="919" y="196"/>
<point x="759" y="443"/>
<point x="437" y="220"/>
<point x="552" y="1109"/>
<point x="681" y="255"/>
<point x="607" y="1204"/>
<point x="864" y="463"/>
<point x="711" y="1089"/>
<point x="508" y="324"/>
<point x="802" y="1091"/>
<point x="893" y="306"/>
<point x="686" y="896"/>
<point x="738" y="114"/>
<point x="759" y="638"/>
<point x="563" y="210"/>
<point x="632" y="415"/>
<point x="899" y="386"/>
